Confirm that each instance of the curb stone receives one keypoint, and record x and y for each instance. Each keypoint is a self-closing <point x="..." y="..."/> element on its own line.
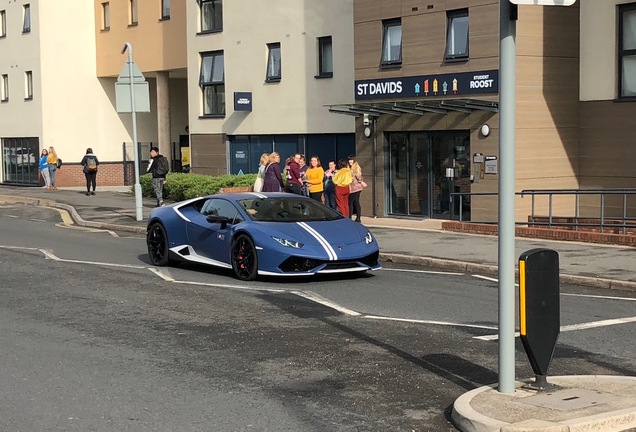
<point x="490" y="270"/>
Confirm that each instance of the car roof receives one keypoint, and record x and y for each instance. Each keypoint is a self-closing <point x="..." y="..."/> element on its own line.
<point x="236" y="196"/>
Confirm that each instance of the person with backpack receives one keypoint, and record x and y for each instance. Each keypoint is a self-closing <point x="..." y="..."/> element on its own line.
<point x="89" y="163"/>
<point x="159" y="168"/>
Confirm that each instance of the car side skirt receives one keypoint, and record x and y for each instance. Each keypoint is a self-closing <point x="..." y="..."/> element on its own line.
<point x="192" y="256"/>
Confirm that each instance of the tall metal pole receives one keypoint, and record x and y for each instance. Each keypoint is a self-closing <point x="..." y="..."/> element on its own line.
<point x="507" y="66"/>
<point x="138" y="199"/>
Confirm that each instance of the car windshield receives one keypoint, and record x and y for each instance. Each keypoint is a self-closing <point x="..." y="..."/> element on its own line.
<point x="294" y="208"/>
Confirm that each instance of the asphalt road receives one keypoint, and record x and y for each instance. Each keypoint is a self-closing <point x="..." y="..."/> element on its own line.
<point x="95" y="340"/>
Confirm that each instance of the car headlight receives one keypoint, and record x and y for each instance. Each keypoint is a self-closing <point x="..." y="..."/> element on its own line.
<point x="368" y="239"/>
<point x="288" y="243"/>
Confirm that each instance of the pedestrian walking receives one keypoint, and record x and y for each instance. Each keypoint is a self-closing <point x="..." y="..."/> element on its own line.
<point x="330" y="187"/>
<point x="44" y="168"/>
<point x="52" y="161"/>
<point x="314" y="176"/>
<point x="89" y="163"/>
<point x="273" y="178"/>
<point x="159" y="168"/>
<point x="342" y="180"/>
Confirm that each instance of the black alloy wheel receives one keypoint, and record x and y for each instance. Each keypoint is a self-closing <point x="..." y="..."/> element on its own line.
<point x="157" y="242"/>
<point x="244" y="258"/>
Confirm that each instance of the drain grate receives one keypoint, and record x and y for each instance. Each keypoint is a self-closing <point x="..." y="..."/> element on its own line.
<point x="569" y="399"/>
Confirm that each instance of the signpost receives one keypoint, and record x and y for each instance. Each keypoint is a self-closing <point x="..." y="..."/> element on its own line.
<point x="506" y="240"/>
<point x="138" y="99"/>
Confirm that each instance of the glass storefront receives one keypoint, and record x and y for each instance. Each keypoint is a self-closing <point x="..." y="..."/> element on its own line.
<point x="424" y="169"/>
<point x="20" y="157"/>
<point x="246" y="151"/>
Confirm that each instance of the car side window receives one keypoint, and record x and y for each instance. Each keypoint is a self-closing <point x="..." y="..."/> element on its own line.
<point x="221" y="207"/>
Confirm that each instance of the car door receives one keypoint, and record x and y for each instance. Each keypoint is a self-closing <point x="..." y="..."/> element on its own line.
<point x="212" y="240"/>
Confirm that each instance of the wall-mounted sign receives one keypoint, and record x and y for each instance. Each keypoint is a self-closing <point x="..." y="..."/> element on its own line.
<point x="242" y="101"/>
<point x="491" y="165"/>
<point x="429" y="86"/>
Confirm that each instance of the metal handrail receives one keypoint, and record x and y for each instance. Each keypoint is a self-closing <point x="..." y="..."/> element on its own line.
<point x="626" y="222"/>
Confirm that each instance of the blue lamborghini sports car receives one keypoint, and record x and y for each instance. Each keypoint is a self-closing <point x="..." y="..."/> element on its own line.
<point x="275" y="234"/>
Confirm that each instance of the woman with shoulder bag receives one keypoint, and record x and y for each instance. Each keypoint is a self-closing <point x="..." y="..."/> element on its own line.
<point x="272" y="178"/>
<point x="356" y="187"/>
<point x="260" y="176"/>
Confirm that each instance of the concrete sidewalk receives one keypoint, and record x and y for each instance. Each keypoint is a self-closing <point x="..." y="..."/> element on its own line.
<point x="581" y="403"/>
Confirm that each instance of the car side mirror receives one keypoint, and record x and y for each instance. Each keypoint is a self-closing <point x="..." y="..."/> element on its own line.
<point x="218" y="219"/>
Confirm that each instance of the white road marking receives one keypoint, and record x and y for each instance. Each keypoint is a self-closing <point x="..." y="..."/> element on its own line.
<point x="50" y="255"/>
<point x="246" y="288"/>
<point x="489" y="278"/>
<point x="600" y="297"/>
<point x="423" y="271"/>
<point x="163" y="274"/>
<point x="310" y="295"/>
<point x="13" y="216"/>
<point x="574" y="327"/>
<point x="442" y="323"/>
<point x="567" y="294"/>
<point x="38" y="220"/>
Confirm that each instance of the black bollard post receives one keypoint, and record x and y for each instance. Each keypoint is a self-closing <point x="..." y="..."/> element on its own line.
<point x="539" y="311"/>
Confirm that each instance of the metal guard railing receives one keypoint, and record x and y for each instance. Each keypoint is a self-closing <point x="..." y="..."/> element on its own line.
<point x="623" y="222"/>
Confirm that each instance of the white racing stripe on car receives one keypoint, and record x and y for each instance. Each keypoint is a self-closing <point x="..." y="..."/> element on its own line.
<point x="323" y="241"/>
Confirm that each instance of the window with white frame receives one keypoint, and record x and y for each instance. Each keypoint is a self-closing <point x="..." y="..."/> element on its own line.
<point x="165" y="9"/>
<point x="133" y="13"/>
<point x="457" y="35"/>
<point x="392" y="42"/>
<point x="211" y="12"/>
<point x="627" y="51"/>
<point x="28" y="85"/>
<point x="325" y="57"/>
<point x="106" y="16"/>
<point x="4" y="88"/>
<point x="212" y="83"/>
<point x="3" y="23"/>
<point x="26" y="18"/>
<point x="273" y="62"/>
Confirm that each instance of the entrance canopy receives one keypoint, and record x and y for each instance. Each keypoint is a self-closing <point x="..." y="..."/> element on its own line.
<point x="375" y="109"/>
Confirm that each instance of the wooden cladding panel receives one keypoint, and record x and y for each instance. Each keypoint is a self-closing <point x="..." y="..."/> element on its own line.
<point x="391" y="9"/>
<point x="367" y="10"/>
<point x="548" y="31"/>
<point x="368" y="45"/>
<point x="209" y="154"/>
<point x="607" y="142"/>
<point x="424" y="40"/>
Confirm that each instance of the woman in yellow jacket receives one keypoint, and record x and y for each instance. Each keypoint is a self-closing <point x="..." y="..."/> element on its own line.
<point x="314" y="177"/>
<point x="342" y="180"/>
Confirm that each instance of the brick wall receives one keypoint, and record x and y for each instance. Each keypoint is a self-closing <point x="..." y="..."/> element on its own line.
<point x="544" y="233"/>
<point x="108" y="174"/>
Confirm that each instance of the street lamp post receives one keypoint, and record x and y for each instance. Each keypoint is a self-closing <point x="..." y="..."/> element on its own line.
<point x="138" y="201"/>
<point x="507" y="66"/>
